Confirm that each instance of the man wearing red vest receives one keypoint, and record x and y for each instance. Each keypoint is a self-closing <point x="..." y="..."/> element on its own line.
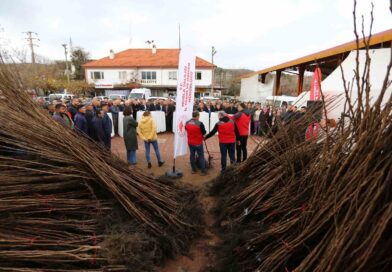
<point x="242" y="121"/>
<point x="196" y="130"/>
<point x="228" y="133"/>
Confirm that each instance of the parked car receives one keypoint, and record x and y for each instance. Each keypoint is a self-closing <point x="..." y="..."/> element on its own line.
<point x="153" y="98"/>
<point x="59" y="96"/>
<point x="102" y="97"/>
<point x="204" y="98"/>
<point x="117" y="96"/>
<point x="277" y="101"/>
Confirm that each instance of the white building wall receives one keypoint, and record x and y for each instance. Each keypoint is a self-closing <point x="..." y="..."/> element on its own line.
<point x="253" y="90"/>
<point x="111" y="76"/>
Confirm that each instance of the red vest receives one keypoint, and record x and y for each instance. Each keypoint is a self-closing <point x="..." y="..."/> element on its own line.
<point x="226" y="132"/>
<point x="243" y="124"/>
<point x="194" y="132"/>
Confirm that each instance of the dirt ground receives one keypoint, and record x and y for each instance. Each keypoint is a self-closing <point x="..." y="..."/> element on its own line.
<point x="200" y="254"/>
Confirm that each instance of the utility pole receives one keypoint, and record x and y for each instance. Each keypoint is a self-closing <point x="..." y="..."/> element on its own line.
<point x="31" y="40"/>
<point x="66" y="60"/>
<point x="213" y="52"/>
<point x="179" y="36"/>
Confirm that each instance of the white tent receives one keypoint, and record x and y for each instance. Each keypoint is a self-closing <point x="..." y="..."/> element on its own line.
<point x="333" y="84"/>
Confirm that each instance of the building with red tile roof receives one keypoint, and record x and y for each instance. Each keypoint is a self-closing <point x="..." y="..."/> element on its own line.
<point x="155" y="69"/>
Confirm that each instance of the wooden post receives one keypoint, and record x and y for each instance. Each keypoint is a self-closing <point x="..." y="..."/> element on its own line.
<point x="277" y="83"/>
<point x="300" y="82"/>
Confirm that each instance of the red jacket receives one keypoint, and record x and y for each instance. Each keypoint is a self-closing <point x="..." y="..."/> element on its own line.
<point x="227" y="130"/>
<point x="195" y="130"/>
<point x="242" y="120"/>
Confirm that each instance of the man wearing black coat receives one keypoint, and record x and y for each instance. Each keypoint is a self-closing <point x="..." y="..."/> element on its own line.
<point x="89" y="117"/>
<point x="73" y="107"/>
<point x="107" y="126"/>
<point x="168" y="109"/>
<point x="98" y="133"/>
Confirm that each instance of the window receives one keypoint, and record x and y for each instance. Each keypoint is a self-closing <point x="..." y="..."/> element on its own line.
<point x="172" y="75"/>
<point x="149" y="75"/>
<point x="96" y="75"/>
<point x="122" y="75"/>
<point x="198" y="75"/>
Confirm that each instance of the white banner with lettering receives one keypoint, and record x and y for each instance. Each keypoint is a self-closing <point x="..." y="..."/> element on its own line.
<point x="185" y="98"/>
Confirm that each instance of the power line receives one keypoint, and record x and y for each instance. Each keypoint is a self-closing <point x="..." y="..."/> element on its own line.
<point x="32" y="37"/>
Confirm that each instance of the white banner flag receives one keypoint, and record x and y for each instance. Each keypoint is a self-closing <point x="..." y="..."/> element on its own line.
<point x="185" y="98"/>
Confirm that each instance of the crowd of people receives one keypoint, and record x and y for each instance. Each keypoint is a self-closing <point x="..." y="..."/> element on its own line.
<point x="237" y="121"/>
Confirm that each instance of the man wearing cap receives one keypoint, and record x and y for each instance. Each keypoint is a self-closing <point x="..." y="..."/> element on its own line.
<point x="228" y="133"/>
<point x="81" y="121"/>
<point x="195" y="131"/>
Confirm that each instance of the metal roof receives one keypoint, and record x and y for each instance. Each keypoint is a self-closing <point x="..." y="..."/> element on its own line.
<point x="376" y="39"/>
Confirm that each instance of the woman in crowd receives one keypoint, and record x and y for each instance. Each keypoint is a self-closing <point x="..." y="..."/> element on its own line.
<point x="148" y="132"/>
<point x="256" y="117"/>
<point x="130" y="135"/>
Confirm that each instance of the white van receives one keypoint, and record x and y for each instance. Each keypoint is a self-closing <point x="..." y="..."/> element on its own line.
<point x="277" y="101"/>
<point x="141" y="93"/>
<point x="59" y="96"/>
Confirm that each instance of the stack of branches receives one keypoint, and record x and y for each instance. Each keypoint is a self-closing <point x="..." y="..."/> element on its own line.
<point x="67" y="204"/>
<point x="322" y="205"/>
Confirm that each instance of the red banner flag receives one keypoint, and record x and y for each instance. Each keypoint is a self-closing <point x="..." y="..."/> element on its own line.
<point x="315" y="94"/>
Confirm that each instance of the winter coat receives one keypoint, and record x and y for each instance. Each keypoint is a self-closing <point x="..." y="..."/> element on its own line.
<point x="63" y="119"/>
<point x="130" y="134"/>
<point x="107" y="125"/>
<point x="147" y="129"/>
<point x="73" y="111"/>
<point x="98" y="131"/>
<point x="90" y="128"/>
<point x="115" y="110"/>
<point x="81" y="123"/>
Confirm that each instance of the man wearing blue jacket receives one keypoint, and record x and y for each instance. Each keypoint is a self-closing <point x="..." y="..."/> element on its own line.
<point x="107" y="126"/>
<point x="81" y="121"/>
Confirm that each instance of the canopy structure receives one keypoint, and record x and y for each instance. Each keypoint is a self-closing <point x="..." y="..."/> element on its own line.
<point x="328" y="60"/>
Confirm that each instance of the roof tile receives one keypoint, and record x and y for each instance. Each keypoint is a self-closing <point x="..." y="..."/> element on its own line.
<point x="144" y="58"/>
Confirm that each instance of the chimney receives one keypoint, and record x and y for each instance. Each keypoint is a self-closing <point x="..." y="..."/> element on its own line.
<point x="154" y="49"/>
<point x="111" y="55"/>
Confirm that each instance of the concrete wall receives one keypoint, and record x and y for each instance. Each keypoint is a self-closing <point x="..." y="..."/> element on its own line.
<point x="111" y="76"/>
<point x="253" y="90"/>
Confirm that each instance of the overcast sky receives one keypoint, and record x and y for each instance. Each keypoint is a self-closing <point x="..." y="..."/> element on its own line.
<point x="250" y="34"/>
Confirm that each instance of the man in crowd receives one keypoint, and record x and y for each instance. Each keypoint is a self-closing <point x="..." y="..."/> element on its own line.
<point x="196" y="130"/>
<point x="142" y="105"/>
<point x="209" y="108"/>
<point x="168" y="109"/>
<point x="201" y="107"/>
<point x="242" y="121"/>
<point x="115" y="110"/>
<point x="61" y="117"/>
<point x="96" y="105"/>
<point x="98" y="133"/>
<point x="73" y="107"/>
<point x="51" y="109"/>
<point x="228" y="133"/>
<point x="81" y="121"/>
<point x="107" y="126"/>
<point x="157" y="105"/>
<point x="89" y="118"/>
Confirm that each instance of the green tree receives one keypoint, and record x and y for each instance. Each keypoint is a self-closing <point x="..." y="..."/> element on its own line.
<point x="78" y="58"/>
